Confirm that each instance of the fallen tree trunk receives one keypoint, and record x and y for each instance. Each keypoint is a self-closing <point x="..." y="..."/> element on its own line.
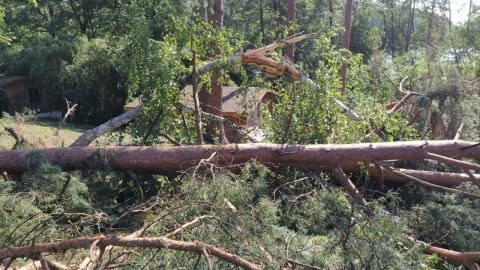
<point x="165" y="159"/>
<point x="88" y="137"/>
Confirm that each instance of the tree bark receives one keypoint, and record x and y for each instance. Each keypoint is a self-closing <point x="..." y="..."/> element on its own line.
<point x="87" y="137"/>
<point x="346" y="41"/>
<point x="196" y="102"/>
<point x="163" y="159"/>
<point x="109" y="240"/>
<point x="211" y="101"/>
<point x="467" y="259"/>
<point x="292" y="11"/>
<point x="411" y="18"/>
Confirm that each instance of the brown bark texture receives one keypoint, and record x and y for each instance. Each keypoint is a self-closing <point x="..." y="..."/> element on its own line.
<point x="103" y="241"/>
<point x="467" y="259"/>
<point x="346" y="41"/>
<point x="211" y="101"/>
<point x="292" y="11"/>
<point x="168" y="159"/>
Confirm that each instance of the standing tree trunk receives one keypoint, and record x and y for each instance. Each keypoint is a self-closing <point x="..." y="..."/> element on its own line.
<point x="196" y="102"/>
<point x="262" y="23"/>
<point x="428" y="44"/>
<point x="331" y="11"/>
<point x="392" y="25"/>
<point x="346" y="41"/>
<point x="211" y="102"/>
<point x="292" y="10"/>
<point x="411" y="17"/>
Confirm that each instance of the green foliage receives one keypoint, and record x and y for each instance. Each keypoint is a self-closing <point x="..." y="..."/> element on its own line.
<point x="37" y="206"/>
<point x="95" y="80"/>
<point x="448" y="221"/>
<point x="4" y="35"/>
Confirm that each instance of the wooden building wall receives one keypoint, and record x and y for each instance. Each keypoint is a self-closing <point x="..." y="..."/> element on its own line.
<point x="23" y="93"/>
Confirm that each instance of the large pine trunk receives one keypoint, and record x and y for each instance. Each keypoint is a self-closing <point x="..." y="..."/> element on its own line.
<point x="168" y="159"/>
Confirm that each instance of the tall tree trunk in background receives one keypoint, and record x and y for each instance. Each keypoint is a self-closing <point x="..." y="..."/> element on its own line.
<point x="429" y="39"/>
<point x="469" y="14"/>
<point x="392" y="23"/>
<point x="346" y="41"/>
<point x="449" y="14"/>
<point x="262" y="23"/>
<point x="211" y="102"/>
<point x="277" y="13"/>
<point x="196" y="101"/>
<point x="411" y="17"/>
<point x="330" y="10"/>
<point x="292" y="10"/>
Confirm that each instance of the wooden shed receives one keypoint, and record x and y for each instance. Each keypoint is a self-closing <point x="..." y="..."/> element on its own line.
<point x="21" y="92"/>
<point x="239" y="105"/>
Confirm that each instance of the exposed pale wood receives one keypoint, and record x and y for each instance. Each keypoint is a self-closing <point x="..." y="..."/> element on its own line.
<point x="459" y="132"/>
<point x="87" y="137"/>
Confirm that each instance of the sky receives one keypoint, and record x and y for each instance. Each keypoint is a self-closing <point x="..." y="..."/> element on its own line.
<point x="460" y="10"/>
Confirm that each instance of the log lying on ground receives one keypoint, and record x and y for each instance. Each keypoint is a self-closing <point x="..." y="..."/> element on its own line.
<point x="103" y="241"/>
<point x="163" y="159"/>
<point x="467" y="259"/>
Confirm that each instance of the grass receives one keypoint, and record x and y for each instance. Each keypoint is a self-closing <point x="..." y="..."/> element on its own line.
<point x="40" y="133"/>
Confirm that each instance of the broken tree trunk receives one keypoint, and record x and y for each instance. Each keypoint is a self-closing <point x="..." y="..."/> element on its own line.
<point x="88" y="137"/>
<point x="273" y="68"/>
<point x="166" y="159"/>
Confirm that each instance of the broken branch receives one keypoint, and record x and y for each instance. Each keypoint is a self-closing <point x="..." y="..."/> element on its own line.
<point x="110" y="240"/>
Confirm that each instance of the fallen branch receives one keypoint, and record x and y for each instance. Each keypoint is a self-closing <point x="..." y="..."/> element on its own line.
<point x="445" y="179"/>
<point x="307" y="266"/>
<point x="169" y="138"/>
<point x="472" y="177"/>
<point x="454" y="162"/>
<point x="109" y="240"/>
<point x="349" y="186"/>
<point x="421" y="182"/>
<point x="467" y="259"/>
<point x="186" y="225"/>
<point x="86" y="138"/>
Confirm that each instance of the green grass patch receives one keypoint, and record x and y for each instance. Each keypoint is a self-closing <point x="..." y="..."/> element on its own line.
<point x="40" y="133"/>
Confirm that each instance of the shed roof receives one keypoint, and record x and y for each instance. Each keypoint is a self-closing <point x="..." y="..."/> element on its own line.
<point x="11" y="80"/>
<point x="235" y="99"/>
